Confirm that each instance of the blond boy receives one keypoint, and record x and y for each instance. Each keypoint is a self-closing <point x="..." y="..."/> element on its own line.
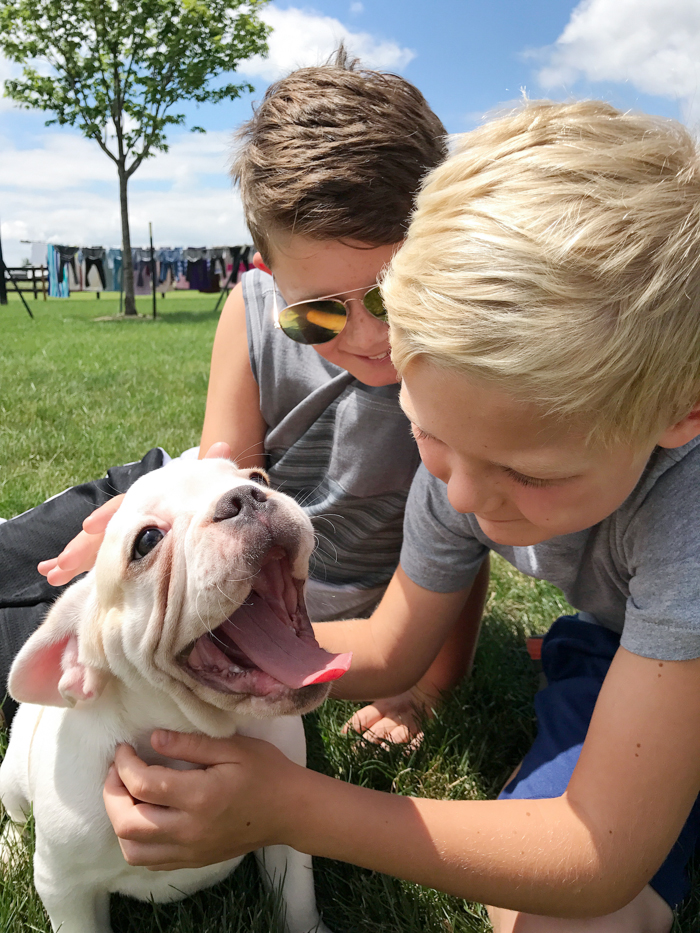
<point x="549" y="289"/>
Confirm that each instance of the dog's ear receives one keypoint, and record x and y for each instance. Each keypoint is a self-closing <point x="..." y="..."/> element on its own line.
<point x="47" y="671"/>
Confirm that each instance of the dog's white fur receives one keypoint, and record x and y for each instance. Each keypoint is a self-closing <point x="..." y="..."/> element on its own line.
<point x="103" y="669"/>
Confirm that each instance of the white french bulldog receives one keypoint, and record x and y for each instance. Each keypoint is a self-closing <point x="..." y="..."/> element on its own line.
<point x="193" y="619"/>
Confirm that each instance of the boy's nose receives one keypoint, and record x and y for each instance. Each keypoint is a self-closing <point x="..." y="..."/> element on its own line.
<point x="363" y="331"/>
<point x="468" y="494"/>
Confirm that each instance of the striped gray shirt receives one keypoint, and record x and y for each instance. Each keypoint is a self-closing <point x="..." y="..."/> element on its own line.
<point x="344" y="450"/>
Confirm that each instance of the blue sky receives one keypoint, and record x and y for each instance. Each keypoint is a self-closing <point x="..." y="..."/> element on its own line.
<point x="467" y="56"/>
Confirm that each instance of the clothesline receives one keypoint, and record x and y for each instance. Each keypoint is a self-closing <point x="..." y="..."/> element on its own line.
<point x="194" y="268"/>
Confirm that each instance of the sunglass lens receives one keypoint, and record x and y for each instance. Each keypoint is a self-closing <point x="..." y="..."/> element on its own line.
<point x="374" y="304"/>
<point x="313" y="322"/>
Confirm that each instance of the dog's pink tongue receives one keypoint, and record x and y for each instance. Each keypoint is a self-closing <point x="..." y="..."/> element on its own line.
<point x="275" y="648"/>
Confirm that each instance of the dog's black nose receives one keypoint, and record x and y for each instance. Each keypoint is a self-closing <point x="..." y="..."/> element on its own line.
<point x="235" y="501"/>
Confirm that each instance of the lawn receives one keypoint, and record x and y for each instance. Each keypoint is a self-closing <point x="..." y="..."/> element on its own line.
<point x="78" y="396"/>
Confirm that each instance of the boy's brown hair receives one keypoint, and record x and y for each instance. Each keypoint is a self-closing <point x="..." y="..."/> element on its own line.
<point x="336" y="152"/>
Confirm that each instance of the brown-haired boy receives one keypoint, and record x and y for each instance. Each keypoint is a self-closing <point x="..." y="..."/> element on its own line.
<point x="328" y="168"/>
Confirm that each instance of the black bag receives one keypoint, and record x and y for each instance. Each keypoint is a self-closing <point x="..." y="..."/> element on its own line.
<point x="41" y="533"/>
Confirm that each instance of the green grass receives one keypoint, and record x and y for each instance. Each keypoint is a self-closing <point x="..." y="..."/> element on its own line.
<point x="77" y="397"/>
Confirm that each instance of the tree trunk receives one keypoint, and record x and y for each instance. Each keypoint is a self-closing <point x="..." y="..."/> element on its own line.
<point x="127" y="264"/>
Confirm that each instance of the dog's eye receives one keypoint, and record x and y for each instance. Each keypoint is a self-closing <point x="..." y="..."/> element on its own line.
<point x="258" y="477"/>
<point x="146" y="541"/>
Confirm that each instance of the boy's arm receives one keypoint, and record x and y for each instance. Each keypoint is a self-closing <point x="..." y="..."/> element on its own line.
<point x="233" y="397"/>
<point x="585" y="854"/>
<point x="394" y="648"/>
<point x="400" y="718"/>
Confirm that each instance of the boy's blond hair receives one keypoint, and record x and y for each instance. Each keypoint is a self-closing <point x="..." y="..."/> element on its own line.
<point x="336" y="152"/>
<point x="556" y="255"/>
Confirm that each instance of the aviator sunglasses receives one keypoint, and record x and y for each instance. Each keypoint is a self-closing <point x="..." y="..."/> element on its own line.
<point x="319" y="320"/>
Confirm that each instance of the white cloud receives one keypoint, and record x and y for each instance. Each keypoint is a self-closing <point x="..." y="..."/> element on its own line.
<point x="357" y="8"/>
<point x="207" y="216"/>
<point x="190" y="156"/>
<point x="652" y="44"/>
<point x="57" y="161"/>
<point x="64" y="190"/>
<point x="302" y="37"/>
<point x="60" y="160"/>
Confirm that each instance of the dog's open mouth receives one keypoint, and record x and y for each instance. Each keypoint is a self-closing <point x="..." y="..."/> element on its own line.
<point x="266" y="642"/>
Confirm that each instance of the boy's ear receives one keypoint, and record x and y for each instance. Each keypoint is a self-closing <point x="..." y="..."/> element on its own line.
<point x="682" y="432"/>
<point x="259" y="264"/>
<point x="47" y="671"/>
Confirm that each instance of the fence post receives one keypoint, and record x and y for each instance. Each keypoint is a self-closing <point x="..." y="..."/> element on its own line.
<point x="3" y="285"/>
<point x="153" y="269"/>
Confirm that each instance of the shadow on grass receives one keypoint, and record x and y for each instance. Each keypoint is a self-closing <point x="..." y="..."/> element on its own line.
<point x="240" y="904"/>
<point x="188" y="317"/>
<point x="163" y="317"/>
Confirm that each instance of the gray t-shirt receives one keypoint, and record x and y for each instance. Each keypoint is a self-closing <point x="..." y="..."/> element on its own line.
<point x="344" y="450"/>
<point x="637" y="572"/>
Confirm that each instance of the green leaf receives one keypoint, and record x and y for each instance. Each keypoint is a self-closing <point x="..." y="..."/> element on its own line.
<point x="117" y="69"/>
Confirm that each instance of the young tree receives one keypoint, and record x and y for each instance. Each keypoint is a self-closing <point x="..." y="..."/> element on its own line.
<point x="117" y="68"/>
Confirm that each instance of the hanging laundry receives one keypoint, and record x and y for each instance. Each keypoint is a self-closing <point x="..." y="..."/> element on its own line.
<point x="217" y="259"/>
<point x="235" y="262"/>
<point x="94" y="257"/>
<point x="194" y="253"/>
<point x="198" y="268"/>
<point x="113" y="272"/>
<point x="67" y="256"/>
<point x="141" y="260"/>
<point x="198" y="275"/>
<point x="38" y="255"/>
<point x="246" y="262"/>
<point x="170" y="267"/>
<point x="58" y="274"/>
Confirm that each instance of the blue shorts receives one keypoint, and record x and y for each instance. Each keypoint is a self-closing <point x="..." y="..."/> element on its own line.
<point x="576" y="656"/>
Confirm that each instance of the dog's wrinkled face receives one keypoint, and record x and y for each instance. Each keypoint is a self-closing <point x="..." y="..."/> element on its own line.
<point x="199" y="589"/>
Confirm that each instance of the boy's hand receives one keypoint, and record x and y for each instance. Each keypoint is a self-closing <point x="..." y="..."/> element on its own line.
<point x="395" y="719"/>
<point x="234" y="803"/>
<point x="79" y="554"/>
